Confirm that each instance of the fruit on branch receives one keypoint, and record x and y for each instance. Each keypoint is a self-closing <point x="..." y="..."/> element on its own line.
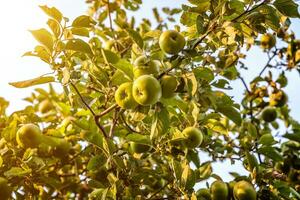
<point x="146" y="90"/>
<point x="193" y="137"/>
<point x="59" y="146"/>
<point x="123" y="96"/>
<point x="269" y="114"/>
<point x="219" y="190"/>
<point x="267" y="41"/>
<point x="168" y="86"/>
<point x="171" y="42"/>
<point x="45" y="106"/>
<point x="230" y="186"/>
<point x="5" y="190"/>
<point x="139" y="148"/>
<point x="144" y="66"/>
<point x="29" y="136"/>
<point x="278" y="99"/>
<point x="203" y="194"/>
<point x="244" y="190"/>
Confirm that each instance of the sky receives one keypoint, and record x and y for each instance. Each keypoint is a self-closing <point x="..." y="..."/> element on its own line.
<point x="19" y="16"/>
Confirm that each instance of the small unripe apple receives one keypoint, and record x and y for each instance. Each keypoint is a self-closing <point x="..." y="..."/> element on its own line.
<point x="269" y="114"/>
<point x="144" y="66"/>
<point x="244" y="190"/>
<point x="193" y="137"/>
<point x="171" y="42"/>
<point x="219" y="190"/>
<point x="123" y="96"/>
<point x="203" y="194"/>
<point x="59" y="146"/>
<point x="267" y="41"/>
<point x="168" y="86"/>
<point x="139" y="148"/>
<point x="146" y="90"/>
<point x="29" y="136"/>
<point x="45" y="106"/>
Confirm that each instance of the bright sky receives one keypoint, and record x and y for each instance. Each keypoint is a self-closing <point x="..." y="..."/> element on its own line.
<point x="18" y="16"/>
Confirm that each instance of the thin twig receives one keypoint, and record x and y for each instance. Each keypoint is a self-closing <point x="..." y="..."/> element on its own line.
<point x="170" y="69"/>
<point x="127" y="125"/>
<point x="247" y="11"/>
<point x="158" y="191"/>
<point x="268" y="63"/>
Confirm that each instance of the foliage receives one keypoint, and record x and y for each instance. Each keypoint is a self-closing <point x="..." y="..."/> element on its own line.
<point x="94" y="54"/>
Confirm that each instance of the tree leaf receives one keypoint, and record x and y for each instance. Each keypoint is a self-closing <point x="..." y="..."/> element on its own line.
<point x="287" y="7"/>
<point x="126" y="67"/>
<point x="52" y="12"/>
<point x="44" y="37"/>
<point x="17" y="171"/>
<point x="96" y="162"/>
<point x="110" y="57"/>
<point x="32" y="82"/>
<point x="81" y="31"/>
<point x="135" y="36"/>
<point x="78" y="45"/>
<point x="83" y="21"/>
<point x="271" y="153"/>
<point x="231" y="113"/>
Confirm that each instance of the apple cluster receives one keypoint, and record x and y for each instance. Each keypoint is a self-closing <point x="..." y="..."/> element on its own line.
<point x="147" y="89"/>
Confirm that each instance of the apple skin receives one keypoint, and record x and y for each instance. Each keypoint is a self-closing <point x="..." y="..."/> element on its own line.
<point x="278" y="99"/>
<point x="146" y="90"/>
<point x="244" y="190"/>
<point x="144" y="66"/>
<point x="5" y="190"/>
<point x="267" y="41"/>
<point x="219" y="190"/>
<point x="269" y="114"/>
<point x="203" y="194"/>
<point x="171" y="42"/>
<point x="139" y="148"/>
<point x="193" y="137"/>
<point x="123" y="96"/>
<point x="29" y="136"/>
<point x="168" y="86"/>
<point x="45" y="106"/>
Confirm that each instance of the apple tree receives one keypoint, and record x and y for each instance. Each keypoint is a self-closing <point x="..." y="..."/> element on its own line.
<point x="142" y="102"/>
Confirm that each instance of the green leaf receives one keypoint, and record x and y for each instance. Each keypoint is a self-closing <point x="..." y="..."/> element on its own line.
<point x="96" y="162"/>
<point x="267" y="140"/>
<point x="32" y="82"/>
<point x="52" y="12"/>
<point x="17" y="172"/>
<point x="138" y="138"/>
<point x="44" y="37"/>
<point x="110" y="57"/>
<point x="231" y="113"/>
<point x="78" y="45"/>
<point x="293" y="136"/>
<point x="252" y="130"/>
<point x="205" y="171"/>
<point x="271" y="153"/>
<point x="204" y="73"/>
<point x="83" y="21"/>
<point x="135" y="36"/>
<point x="160" y="124"/>
<point x="126" y="67"/>
<point x="81" y="31"/>
<point x="287" y="7"/>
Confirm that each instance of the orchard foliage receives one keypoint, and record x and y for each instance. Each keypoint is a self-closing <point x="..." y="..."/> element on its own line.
<point x="89" y="145"/>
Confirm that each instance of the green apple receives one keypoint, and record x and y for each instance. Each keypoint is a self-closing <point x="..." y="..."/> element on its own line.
<point x="144" y="65"/>
<point x="203" y="194"/>
<point x="29" y="136"/>
<point x="219" y="190"/>
<point x="45" y="106"/>
<point x="193" y="137"/>
<point x="267" y="41"/>
<point x="139" y="148"/>
<point x="146" y="90"/>
<point x="123" y="96"/>
<point x="171" y="42"/>
<point x="168" y="86"/>
<point x="269" y="114"/>
<point x="5" y="190"/>
<point x="59" y="146"/>
<point x="278" y="99"/>
<point x="244" y="190"/>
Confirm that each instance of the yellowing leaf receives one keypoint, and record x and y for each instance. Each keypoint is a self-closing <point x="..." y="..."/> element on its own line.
<point x="78" y="45"/>
<point x="44" y="37"/>
<point x="32" y="82"/>
<point x="52" y="12"/>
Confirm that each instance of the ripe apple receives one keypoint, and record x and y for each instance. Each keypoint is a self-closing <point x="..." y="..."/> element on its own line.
<point x="171" y="42"/>
<point x="144" y="65"/>
<point x="193" y="137"/>
<point x="45" y="106"/>
<point x="168" y="86"/>
<point x="29" y="136"/>
<point x="267" y="41"/>
<point x="146" y="90"/>
<point x="123" y="96"/>
<point x="139" y="148"/>
<point x="269" y="114"/>
<point x="278" y="99"/>
<point x="5" y="190"/>
<point x="244" y="190"/>
<point x="219" y="190"/>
